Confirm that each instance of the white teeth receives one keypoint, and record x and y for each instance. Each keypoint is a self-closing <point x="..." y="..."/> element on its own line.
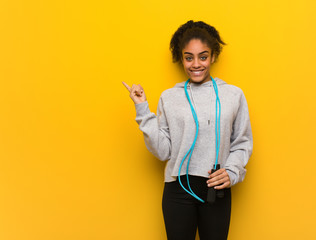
<point x="197" y="72"/>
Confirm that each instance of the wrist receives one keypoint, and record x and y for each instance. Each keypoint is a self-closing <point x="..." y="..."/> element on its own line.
<point x="139" y="101"/>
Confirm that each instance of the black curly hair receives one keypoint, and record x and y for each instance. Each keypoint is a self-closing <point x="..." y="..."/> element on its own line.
<point x="195" y="30"/>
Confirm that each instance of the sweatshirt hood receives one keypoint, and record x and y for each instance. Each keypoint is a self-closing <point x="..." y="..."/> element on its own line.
<point x="206" y="84"/>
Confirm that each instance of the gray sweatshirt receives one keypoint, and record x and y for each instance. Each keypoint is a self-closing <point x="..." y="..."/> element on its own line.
<point x="170" y="134"/>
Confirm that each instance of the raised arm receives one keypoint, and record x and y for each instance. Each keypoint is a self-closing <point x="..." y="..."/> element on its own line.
<point x="155" y="128"/>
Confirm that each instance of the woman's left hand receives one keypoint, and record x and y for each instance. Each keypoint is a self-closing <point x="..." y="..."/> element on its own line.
<point x="220" y="177"/>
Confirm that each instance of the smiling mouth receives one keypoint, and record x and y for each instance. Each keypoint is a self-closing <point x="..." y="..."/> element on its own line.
<point x="197" y="72"/>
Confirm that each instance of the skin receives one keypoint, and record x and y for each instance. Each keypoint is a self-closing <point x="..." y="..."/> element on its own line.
<point x="196" y="61"/>
<point x="137" y="93"/>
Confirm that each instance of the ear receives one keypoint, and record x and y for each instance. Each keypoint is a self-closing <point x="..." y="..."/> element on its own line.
<point x="213" y="58"/>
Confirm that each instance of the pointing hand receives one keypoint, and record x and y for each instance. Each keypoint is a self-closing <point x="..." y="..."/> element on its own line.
<point x="137" y="93"/>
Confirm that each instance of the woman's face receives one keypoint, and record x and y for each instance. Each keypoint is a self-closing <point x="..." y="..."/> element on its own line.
<point x="196" y="60"/>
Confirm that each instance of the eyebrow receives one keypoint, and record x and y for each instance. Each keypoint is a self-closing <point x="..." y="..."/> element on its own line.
<point x="192" y="53"/>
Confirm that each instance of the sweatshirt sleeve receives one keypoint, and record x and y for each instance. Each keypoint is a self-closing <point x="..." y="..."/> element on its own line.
<point x="155" y="130"/>
<point x="241" y="144"/>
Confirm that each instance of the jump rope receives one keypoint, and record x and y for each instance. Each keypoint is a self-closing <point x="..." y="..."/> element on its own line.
<point x="212" y="193"/>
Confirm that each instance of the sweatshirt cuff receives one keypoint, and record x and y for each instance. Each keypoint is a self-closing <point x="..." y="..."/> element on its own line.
<point x="142" y="109"/>
<point x="232" y="177"/>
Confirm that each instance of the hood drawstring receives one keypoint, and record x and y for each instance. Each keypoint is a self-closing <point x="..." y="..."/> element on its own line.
<point x="217" y="134"/>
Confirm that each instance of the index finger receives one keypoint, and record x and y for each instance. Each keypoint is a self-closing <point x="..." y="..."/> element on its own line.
<point x="127" y="87"/>
<point x="218" y="172"/>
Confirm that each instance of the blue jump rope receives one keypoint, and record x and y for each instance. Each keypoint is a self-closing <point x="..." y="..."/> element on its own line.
<point x="211" y="193"/>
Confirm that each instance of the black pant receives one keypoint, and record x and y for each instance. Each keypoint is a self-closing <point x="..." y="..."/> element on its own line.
<point x="183" y="214"/>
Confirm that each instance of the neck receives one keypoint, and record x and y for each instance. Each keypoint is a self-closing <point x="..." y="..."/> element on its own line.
<point x="204" y="81"/>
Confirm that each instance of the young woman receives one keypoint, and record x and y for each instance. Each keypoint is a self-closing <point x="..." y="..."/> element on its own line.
<point x="202" y="129"/>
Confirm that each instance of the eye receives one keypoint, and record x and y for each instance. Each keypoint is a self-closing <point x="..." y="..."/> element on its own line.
<point x="188" y="59"/>
<point x="203" y="58"/>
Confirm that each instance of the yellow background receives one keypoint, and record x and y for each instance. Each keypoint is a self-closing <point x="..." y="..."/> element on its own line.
<point x="73" y="163"/>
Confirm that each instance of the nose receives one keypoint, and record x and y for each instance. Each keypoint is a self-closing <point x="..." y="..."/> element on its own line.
<point x="196" y="63"/>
